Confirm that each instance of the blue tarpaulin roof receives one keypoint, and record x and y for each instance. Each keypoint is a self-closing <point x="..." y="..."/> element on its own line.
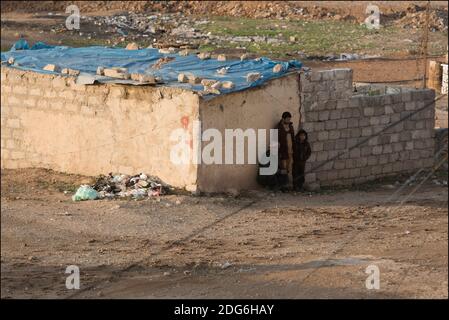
<point x="88" y="59"/>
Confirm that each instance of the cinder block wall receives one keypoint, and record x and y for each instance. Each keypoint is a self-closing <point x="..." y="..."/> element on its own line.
<point x="48" y="121"/>
<point x="337" y="120"/>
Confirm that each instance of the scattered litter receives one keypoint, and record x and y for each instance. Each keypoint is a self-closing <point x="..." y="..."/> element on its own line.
<point x="226" y="265"/>
<point x="407" y="232"/>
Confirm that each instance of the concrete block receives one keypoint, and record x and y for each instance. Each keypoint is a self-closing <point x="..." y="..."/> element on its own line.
<point x="342" y="104"/>
<point x="334" y="134"/>
<point x="335" y="114"/>
<point x="323" y="135"/>
<point x="377" y="150"/>
<point x="330" y="124"/>
<point x="323" y="115"/>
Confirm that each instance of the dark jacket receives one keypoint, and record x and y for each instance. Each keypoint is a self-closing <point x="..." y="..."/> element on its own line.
<point x="302" y="150"/>
<point x="282" y="139"/>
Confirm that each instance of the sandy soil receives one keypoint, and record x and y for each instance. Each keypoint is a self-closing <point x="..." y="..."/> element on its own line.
<point x="297" y="245"/>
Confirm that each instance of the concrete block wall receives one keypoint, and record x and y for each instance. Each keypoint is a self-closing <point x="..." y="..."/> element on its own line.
<point x="49" y="121"/>
<point x="337" y="120"/>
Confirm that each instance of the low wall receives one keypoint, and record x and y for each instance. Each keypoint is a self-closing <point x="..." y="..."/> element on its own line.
<point x="49" y="121"/>
<point x="337" y="121"/>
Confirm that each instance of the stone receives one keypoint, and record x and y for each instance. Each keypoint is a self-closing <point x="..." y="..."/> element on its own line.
<point x="182" y="78"/>
<point x="116" y="73"/>
<point x="227" y="85"/>
<point x="208" y="82"/>
<point x="278" y="68"/>
<point x="204" y="55"/>
<point x="194" y="79"/>
<point x="293" y="39"/>
<point x="132" y="46"/>
<point x="11" y="60"/>
<point x="184" y="52"/>
<point x="221" y="57"/>
<point x="143" y="78"/>
<point x="70" y="72"/>
<point x="253" y="76"/>
<point x="100" y="71"/>
<point x="167" y="50"/>
<point x="51" y="67"/>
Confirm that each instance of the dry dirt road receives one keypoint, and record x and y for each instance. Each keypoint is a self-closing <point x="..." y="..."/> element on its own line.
<point x="259" y="245"/>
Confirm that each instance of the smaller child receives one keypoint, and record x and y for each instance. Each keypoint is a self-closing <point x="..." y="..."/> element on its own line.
<point x="301" y="155"/>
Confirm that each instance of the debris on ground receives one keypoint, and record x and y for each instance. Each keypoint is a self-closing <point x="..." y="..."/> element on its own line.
<point x="85" y="192"/>
<point x="121" y="185"/>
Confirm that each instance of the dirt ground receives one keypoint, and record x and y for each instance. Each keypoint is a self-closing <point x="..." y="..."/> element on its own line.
<point x="257" y="245"/>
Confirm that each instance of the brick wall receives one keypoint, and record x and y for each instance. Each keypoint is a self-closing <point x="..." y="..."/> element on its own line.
<point x="337" y="120"/>
<point x="49" y="121"/>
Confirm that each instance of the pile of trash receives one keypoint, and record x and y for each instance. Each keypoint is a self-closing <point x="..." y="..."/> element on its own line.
<point x="122" y="186"/>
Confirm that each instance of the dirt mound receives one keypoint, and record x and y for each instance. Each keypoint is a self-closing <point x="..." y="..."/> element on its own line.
<point x="415" y="17"/>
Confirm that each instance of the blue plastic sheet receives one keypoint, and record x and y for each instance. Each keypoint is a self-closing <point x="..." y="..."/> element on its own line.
<point x="88" y="59"/>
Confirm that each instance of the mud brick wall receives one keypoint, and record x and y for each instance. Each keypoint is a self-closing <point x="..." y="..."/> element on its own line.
<point x="337" y="120"/>
<point x="51" y="122"/>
